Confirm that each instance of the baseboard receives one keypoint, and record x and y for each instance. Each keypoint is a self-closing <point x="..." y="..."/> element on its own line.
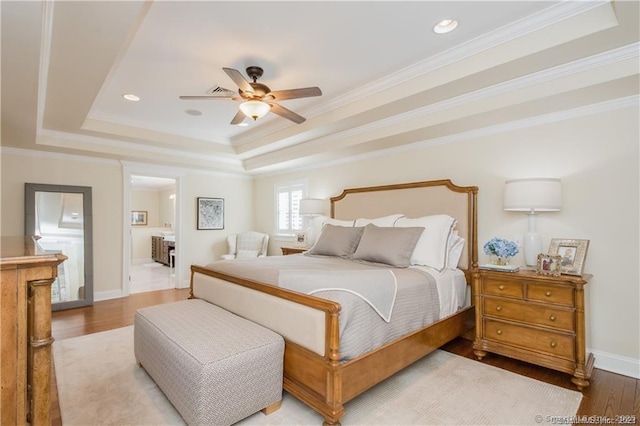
<point x="616" y="364"/>
<point x="106" y="295"/>
<point x="184" y="284"/>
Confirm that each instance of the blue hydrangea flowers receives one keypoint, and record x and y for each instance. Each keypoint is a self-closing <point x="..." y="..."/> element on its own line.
<point x="501" y="248"/>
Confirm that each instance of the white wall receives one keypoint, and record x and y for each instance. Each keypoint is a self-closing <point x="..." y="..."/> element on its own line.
<point x="141" y="242"/>
<point x="148" y="201"/>
<point x="106" y="179"/>
<point x="159" y="208"/>
<point x="205" y="246"/>
<point x="596" y="157"/>
<point x="167" y="208"/>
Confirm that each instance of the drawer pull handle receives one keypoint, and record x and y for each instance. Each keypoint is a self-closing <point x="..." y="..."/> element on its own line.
<point x="553" y="344"/>
<point x="548" y="293"/>
<point x="498" y="308"/>
<point x="501" y="287"/>
<point x="499" y="332"/>
<point x="552" y="317"/>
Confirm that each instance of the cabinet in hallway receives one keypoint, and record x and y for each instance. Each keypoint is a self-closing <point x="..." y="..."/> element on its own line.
<point x="160" y="249"/>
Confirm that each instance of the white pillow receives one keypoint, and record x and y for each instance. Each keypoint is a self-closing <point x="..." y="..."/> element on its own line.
<point x="337" y="222"/>
<point x="432" y="246"/>
<point x="454" y="251"/>
<point x="385" y="221"/>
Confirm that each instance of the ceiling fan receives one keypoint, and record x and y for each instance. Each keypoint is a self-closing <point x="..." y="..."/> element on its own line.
<point x="258" y="98"/>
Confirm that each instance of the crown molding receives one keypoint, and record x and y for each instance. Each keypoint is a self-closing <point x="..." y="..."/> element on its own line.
<point x="149" y="169"/>
<point x="599" y="108"/>
<point x="500" y="36"/>
<point x="133" y="167"/>
<point x="118" y="121"/>
<point x="621" y="54"/>
<point x="55" y="155"/>
<point x="116" y="144"/>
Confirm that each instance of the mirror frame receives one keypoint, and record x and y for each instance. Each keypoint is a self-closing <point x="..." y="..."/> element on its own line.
<point x="30" y="190"/>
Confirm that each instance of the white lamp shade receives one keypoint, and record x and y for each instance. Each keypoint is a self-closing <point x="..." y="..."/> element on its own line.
<point x="536" y="194"/>
<point x="311" y="207"/>
<point x="254" y="109"/>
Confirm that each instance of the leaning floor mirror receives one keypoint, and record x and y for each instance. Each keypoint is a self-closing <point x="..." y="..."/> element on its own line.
<point x="60" y="217"/>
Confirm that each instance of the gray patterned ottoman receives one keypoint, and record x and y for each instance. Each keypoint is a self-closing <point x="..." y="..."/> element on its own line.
<point x="215" y="367"/>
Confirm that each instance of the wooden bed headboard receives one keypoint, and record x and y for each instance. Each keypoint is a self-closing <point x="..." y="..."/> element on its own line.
<point x="415" y="200"/>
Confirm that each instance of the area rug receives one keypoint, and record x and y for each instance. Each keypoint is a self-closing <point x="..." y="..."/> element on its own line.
<point x="99" y="383"/>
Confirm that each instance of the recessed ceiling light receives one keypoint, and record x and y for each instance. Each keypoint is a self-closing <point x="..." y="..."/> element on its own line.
<point x="131" y="97"/>
<point x="243" y="124"/>
<point x="193" y="112"/>
<point x="445" y="26"/>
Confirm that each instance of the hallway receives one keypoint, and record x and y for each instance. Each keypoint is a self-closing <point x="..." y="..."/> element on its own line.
<point x="151" y="276"/>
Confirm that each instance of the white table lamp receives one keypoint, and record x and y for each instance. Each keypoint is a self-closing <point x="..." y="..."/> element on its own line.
<point x="311" y="207"/>
<point x="531" y="196"/>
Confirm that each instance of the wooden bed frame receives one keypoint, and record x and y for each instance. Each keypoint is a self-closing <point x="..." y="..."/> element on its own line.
<point x="321" y="381"/>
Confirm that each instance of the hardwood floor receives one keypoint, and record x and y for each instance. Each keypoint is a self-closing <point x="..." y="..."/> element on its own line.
<point x="609" y="395"/>
<point x="102" y="316"/>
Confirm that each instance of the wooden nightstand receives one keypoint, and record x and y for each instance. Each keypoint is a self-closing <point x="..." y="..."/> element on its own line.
<point x="534" y="318"/>
<point x="293" y="250"/>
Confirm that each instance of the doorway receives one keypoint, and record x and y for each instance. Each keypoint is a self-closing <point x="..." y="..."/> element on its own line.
<point x="152" y="248"/>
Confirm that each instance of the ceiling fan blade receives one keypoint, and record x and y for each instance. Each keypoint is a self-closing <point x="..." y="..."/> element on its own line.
<point x="208" y="97"/>
<point x="281" y="95"/>
<point x="238" y="118"/>
<point x="287" y="113"/>
<point x="239" y="79"/>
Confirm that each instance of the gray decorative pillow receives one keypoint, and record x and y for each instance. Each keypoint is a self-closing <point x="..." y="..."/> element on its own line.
<point x="392" y="246"/>
<point x="337" y="241"/>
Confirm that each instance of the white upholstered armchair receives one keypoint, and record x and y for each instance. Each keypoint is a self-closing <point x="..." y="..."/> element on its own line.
<point x="247" y="244"/>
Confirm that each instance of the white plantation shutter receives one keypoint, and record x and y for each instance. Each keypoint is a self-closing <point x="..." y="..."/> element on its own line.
<point x="288" y="219"/>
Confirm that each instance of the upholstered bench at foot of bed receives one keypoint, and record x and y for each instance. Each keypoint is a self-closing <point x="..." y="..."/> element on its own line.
<point x="214" y="366"/>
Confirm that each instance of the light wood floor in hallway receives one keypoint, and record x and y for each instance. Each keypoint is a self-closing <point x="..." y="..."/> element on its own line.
<point x="609" y="395"/>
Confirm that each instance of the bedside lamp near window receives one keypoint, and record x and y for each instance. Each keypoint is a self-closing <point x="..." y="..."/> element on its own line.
<point x="311" y="207"/>
<point x="531" y="196"/>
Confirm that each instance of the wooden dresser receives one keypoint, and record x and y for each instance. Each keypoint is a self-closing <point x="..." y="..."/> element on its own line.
<point x="534" y="318"/>
<point x="27" y="273"/>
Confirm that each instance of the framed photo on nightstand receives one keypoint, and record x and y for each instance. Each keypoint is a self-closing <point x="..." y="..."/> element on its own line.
<point x="548" y="264"/>
<point x="572" y="252"/>
<point x="301" y="239"/>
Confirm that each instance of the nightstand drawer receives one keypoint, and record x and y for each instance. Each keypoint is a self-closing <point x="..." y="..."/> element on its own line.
<point x="562" y="319"/>
<point x="551" y="294"/>
<point x="502" y="288"/>
<point x="556" y="344"/>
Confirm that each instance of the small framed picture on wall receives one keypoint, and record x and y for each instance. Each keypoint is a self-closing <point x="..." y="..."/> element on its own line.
<point x="139" y="218"/>
<point x="210" y="213"/>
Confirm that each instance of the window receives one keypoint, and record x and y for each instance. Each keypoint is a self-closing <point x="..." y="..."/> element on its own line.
<point x="288" y="196"/>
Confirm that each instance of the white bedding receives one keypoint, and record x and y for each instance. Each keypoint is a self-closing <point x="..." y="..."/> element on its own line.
<point x="452" y="289"/>
<point x="423" y="296"/>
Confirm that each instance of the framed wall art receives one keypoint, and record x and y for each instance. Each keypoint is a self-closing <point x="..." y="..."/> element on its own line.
<point x="210" y="213"/>
<point x="548" y="264"/>
<point x="572" y="252"/>
<point x="138" y="218"/>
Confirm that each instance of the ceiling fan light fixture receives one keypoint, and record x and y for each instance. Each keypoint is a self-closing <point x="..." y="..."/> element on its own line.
<point x="254" y="109"/>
